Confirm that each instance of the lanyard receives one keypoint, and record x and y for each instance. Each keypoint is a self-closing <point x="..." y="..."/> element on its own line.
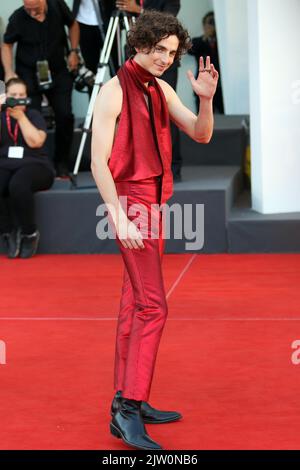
<point x="14" y="136"/>
<point x="142" y="3"/>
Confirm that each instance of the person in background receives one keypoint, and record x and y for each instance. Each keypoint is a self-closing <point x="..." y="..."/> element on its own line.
<point x="91" y="41"/>
<point x="171" y="75"/>
<point x="24" y="169"/>
<point x="38" y="30"/>
<point x="206" y="45"/>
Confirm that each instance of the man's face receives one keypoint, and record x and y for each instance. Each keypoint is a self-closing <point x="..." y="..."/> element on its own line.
<point x="161" y="57"/>
<point x="17" y="90"/>
<point x="35" y="8"/>
<point x="209" y="27"/>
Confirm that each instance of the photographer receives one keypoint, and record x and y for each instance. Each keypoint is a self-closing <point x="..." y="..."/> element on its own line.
<point x="38" y="29"/>
<point x="91" y="41"/>
<point x="24" y="169"/>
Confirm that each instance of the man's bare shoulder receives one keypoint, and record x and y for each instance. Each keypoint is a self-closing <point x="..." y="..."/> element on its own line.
<point x="113" y="85"/>
<point x="166" y="88"/>
<point x="110" y="96"/>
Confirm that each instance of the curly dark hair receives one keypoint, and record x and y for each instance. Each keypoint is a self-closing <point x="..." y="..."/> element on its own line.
<point x="153" y="26"/>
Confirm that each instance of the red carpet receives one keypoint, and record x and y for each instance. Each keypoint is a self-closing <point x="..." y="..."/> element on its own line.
<point x="224" y="360"/>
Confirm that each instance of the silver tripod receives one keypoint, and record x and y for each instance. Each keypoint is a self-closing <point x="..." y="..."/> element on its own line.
<point x="113" y="29"/>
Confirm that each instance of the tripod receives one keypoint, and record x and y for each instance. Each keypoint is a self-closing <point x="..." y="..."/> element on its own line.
<point x="113" y="29"/>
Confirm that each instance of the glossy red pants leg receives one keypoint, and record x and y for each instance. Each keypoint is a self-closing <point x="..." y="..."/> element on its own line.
<point x="143" y="307"/>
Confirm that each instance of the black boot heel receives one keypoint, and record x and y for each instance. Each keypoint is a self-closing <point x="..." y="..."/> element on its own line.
<point x="114" y="431"/>
<point x="128" y="425"/>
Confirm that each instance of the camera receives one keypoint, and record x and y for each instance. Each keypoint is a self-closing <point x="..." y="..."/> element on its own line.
<point x="12" y="102"/>
<point x="43" y="75"/>
<point x="83" y="78"/>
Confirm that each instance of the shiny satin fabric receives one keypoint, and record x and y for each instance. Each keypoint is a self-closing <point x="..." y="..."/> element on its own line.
<point x="143" y="306"/>
<point x="142" y="147"/>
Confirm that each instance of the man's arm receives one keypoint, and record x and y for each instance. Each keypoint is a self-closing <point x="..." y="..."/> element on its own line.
<point x="7" y="60"/>
<point x="107" y="108"/>
<point x="129" y="5"/>
<point x="74" y="34"/>
<point x="69" y="20"/>
<point x="199" y="128"/>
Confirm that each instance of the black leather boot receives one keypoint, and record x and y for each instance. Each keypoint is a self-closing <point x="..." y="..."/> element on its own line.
<point x="149" y="414"/>
<point x="11" y="243"/>
<point x="29" y="244"/>
<point x="128" y="425"/>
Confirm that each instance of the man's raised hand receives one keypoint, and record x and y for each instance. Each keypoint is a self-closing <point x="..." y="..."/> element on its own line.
<point x="206" y="83"/>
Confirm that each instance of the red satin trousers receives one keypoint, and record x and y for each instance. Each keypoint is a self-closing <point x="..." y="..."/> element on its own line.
<point x="143" y="306"/>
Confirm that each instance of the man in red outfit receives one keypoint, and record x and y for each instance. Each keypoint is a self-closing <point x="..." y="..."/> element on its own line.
<point x="131" y="160"/>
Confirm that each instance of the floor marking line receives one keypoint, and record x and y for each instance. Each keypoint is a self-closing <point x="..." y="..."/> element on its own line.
<point x="181" y="275"/>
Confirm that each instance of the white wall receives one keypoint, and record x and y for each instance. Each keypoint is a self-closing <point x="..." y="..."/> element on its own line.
<point x="8" y="7"/>
<point x="232" y="29"/>
<point x="274" y="38"/>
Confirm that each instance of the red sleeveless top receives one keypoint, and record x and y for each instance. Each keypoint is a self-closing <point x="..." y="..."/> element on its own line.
<point x="142" y="146"/>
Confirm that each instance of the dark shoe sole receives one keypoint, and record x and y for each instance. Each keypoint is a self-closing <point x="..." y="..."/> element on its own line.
<point x="9" y="249"/>
<point x="116" y="433"/>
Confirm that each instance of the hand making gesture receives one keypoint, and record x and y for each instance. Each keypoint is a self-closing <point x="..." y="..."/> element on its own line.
<point x="206" y="84"/>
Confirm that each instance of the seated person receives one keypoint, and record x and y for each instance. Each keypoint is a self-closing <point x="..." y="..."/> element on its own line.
<point x="24" y="169"/>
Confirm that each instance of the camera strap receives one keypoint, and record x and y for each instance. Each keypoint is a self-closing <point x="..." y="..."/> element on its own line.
<point x="13" y="136"/>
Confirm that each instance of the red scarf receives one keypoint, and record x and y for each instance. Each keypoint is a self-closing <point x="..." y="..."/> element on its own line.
<point x="142" y="146"/>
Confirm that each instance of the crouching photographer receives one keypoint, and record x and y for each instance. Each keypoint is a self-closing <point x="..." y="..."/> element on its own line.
<point x="24" y="169"/>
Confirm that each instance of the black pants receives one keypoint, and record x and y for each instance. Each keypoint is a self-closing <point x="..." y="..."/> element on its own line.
<point x="60" y="98"/>
<point x="91" y="44"/>
<point x="171" y="76"/>
<point x="17" y="188"/>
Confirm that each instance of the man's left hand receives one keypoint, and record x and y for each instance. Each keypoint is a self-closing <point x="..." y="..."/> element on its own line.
<point x="73" y="60"/>
<point x="206" y="84"/>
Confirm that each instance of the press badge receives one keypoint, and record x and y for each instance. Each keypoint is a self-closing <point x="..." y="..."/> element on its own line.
<point x="15" y="152"/>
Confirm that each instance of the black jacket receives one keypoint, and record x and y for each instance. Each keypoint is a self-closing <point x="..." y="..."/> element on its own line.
<point x="167" y="6"/>
<point x="107" y="6"/>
